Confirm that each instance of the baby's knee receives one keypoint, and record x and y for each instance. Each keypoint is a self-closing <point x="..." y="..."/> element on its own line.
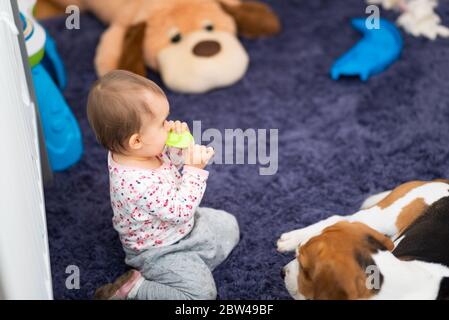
<point x="231" y="225"/>
<point x="205" y="291"/>
<point x="209" y="293"/>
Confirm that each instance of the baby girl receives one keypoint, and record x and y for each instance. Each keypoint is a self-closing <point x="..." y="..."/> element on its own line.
<point x="172" y="244"/>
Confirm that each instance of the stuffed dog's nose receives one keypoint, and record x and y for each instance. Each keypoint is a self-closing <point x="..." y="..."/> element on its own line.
<point x="206" y="48"/>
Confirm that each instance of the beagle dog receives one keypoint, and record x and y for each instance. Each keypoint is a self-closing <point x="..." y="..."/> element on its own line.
<point x="395" y="247"/>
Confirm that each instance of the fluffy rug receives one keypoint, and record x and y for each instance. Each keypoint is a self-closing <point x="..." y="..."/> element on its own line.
<point x="338" y="143"/>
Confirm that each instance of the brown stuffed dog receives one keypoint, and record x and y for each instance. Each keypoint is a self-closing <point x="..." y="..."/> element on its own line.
<point x="192" y="43"/>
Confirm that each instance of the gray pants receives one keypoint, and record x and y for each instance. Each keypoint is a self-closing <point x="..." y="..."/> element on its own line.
<point x="183" y="271"/>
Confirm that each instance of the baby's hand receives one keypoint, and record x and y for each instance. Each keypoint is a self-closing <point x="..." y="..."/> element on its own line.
<point x="176" y="126"/>
<point x="198" y="156"/>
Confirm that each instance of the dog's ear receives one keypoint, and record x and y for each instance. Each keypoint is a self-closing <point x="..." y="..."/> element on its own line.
<point x="377" y="241"/>
<point x="254" y="19"/>
<point x="333" y="283"/>
<point x="132" y="58"/>
<point x="121" y="47"/>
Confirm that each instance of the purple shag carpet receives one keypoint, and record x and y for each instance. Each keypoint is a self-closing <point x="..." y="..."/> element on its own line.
<point x="338" y="142"/>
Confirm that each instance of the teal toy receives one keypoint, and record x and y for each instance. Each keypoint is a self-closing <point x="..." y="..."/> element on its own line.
<point x="375" y="52"/>
<point x="179" y="140"/>
<point x="61" y="131"/>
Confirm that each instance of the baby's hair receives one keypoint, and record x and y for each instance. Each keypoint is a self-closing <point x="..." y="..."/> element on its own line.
<point x="115" y="106"/>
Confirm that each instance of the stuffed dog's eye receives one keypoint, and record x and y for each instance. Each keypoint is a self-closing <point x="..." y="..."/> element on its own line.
<point x="209" y="27"/>
<point x="176" y="38"/>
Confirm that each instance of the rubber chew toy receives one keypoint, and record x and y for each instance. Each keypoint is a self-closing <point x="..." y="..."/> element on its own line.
<point x="179" y="140"/>
<point x="378" y="49"/>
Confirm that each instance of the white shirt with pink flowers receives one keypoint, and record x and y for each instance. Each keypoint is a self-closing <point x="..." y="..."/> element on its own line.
<point x="155" y="207"/>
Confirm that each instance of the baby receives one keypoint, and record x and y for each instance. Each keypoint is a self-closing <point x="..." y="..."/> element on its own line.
<point x="171" y="243"/>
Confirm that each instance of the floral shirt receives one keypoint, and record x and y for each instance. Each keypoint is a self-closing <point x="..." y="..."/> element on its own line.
<point x="154" y="207"/>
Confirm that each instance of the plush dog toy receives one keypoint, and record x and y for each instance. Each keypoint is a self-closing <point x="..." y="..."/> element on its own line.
<point x="192" y="43"/>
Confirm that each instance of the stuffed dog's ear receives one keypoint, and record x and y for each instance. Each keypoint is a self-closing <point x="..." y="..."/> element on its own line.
<point x="132" y="58"/>
<point x="121" y="47"/>
<point x="254" y="19"/>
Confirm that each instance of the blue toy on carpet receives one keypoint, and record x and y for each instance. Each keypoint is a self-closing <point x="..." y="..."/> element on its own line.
<point x="61" y="131"/>
<point x="378" y="49"/>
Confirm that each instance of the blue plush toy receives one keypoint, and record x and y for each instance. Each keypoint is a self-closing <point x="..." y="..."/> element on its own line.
<point x="378" y="49"/>
<point x="61" y="130"/>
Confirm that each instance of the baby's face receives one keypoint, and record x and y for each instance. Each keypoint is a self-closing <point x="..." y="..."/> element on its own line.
<point x="154" y="130"/>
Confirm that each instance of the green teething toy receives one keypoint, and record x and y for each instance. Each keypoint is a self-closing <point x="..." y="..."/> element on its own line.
<point x="179" y="140"/>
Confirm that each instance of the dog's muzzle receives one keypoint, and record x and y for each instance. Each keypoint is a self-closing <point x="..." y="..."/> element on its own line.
<point x="290" y="274"/>
<point x="203" y="61"/>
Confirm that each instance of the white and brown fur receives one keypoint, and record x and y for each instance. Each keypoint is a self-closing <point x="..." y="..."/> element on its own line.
<point x="404" y="233"/>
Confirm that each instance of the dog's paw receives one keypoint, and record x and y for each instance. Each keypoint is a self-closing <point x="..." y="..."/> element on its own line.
<point x="286" y="246"/>
<point x="289" y="241"/>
